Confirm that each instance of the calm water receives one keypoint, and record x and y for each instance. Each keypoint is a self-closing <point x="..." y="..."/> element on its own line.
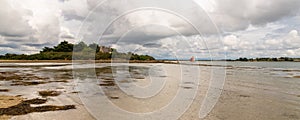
<point x="280" y="65"/>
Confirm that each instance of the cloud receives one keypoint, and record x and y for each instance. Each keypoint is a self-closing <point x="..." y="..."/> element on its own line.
<point x="141" y="26"/>
<point x="13" y="22"/>
<point x="272" y="42"/>
<point x="39" y="45"/>
<point x="66" y="34"/>
<point x="251" y="28"/>
<point x="292" y="40"/>
<point x="139" y="20"/>
<point x="284" y="45"/>
<point x="142" y="35"/>
<point x="30" y="25"/>
<point x="10" y="45"/>
<point x="231" y="40"/>
<point x="152" y="45"/>
<point x="74" y="9"/>
<point x="232" y="15"/>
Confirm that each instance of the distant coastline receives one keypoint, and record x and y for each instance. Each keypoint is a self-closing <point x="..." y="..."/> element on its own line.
<point x="280" y="59"/>
<point x="124" y="61"/>
<point x="135" y="61"/>
<point x="66" y="52"/>
<point x="80" y="51"/>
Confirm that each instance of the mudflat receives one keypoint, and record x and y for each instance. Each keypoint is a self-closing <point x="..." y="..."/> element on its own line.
<point x="49" y="91"/>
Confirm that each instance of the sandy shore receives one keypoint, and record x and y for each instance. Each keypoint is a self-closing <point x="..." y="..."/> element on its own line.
<point x="8" y="101"/>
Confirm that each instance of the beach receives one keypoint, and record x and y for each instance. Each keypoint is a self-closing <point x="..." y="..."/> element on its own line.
<point x="150" y="90"/>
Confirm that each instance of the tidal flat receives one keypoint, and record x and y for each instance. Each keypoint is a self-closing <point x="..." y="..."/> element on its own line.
<point x="99" y="91"/>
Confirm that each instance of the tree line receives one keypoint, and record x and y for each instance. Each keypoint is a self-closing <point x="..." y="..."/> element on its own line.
<point x="81" y="51"/>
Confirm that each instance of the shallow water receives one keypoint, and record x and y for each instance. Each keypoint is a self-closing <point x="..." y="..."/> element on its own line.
<point x="282" y="65"/>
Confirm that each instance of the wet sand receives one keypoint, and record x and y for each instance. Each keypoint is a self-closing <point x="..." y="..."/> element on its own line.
<point x="248" y="93"/>
<point x="251" y="94"/>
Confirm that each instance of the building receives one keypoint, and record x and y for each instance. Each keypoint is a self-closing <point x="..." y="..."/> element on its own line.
<point x="104" y="49"/>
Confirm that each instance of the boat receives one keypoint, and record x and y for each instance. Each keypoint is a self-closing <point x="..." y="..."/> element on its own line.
<point x="192" y="59"/>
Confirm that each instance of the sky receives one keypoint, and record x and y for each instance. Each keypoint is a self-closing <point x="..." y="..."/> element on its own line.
<point x="206" y="29"/>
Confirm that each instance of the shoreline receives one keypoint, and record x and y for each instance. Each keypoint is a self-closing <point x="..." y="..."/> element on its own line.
<point x="70" y="61"/>
<point x="119" y="61"/>
<point x="88" y="61"/>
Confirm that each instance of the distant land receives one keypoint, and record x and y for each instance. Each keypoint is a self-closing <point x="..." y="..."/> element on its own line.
<point x="266" y="59"/>
<point x="80" y="51"/>
<point x="242" y="59"/>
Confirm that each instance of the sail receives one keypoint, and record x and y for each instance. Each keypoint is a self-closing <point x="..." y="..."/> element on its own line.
<point x="192" y="59"/>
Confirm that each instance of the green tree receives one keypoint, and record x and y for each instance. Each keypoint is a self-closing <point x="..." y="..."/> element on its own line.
<point x="80" y="46"/>
<point x="47" y="49"/>
<point x="95" y="47"/>
<point x="63" y="47"/>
